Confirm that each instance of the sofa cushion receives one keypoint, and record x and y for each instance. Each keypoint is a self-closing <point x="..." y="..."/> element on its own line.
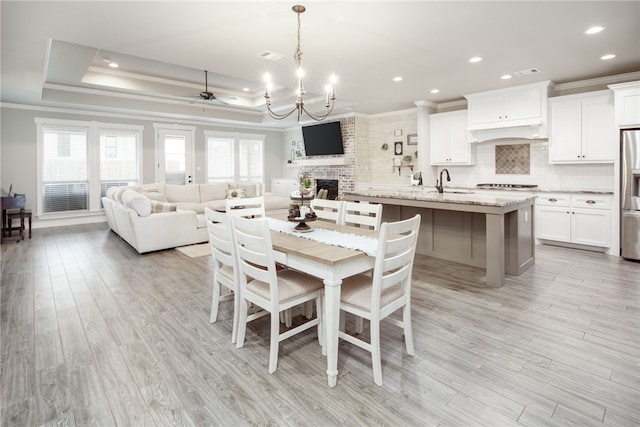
<point x="158" y="206"/>
<point x="182" y="193"/>
<point x="272" y="202"/>
<point x="190" y="206"/>
<point x="136" y="201"/>
<point x="209" y="192"/>
<point x="202" y="221"/>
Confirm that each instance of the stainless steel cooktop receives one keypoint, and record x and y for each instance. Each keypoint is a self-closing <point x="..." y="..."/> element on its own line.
<point x="506" y="185"/>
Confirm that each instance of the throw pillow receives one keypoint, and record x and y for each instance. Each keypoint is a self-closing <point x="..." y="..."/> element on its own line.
<point x="235" y="193"/>
<point x="136" y="201"/>
<point x="158" y="206"/>
<point x="154" y="195"/>
<point x="251" y="189"/>
<point x="117" y="194"/>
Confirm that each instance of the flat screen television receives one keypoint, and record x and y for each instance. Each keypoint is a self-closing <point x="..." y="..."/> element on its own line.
<point x="323" y="139"/>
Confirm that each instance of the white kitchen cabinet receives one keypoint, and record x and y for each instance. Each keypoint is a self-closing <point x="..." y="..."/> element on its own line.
<point x="579" y="218"/>
<point x="582" y="128"/>
<point x="449" y="139"/>
<point x="284" y="187"/>
<point x="627" y="103"/>
<point x="524" y="105"/>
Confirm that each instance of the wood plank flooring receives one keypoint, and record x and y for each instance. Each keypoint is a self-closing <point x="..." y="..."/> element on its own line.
<point x="95" y="334"/>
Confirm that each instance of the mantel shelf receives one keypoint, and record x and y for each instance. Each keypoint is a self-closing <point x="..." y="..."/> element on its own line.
<point x="323" y="161"/>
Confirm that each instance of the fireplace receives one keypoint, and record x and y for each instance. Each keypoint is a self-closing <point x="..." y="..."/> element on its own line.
<point x="331" y="185"/>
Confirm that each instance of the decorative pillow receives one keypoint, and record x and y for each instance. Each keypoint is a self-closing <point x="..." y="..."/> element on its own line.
<point x="136" y="201"/>
<point x="154" y="195"/>
<point x="251" y="189"/>
<point x="111" y="191"/>
<point x="209" y="192"/>
<point x="118" y="192"/>
<point x="158" y="206"/>
<point x="236" y="193"/>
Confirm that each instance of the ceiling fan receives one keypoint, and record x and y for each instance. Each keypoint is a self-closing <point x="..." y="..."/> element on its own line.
<point x="206" y="96"/>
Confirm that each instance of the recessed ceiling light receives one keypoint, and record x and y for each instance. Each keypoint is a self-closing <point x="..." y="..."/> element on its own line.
<point x="106" y="59"/>
<point x="506" y="76"/>
<point x="594" y="30"/>
<point x="245" y="89"/>
<point x="113" y="65"/>
<point x="435" y="90"/>
<point x="475" y="59"/>
<point x="397" y="79"/>
<point x="608" y="56"/>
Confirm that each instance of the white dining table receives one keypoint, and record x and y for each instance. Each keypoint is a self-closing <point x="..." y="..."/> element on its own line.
<point x="331" y="264"/>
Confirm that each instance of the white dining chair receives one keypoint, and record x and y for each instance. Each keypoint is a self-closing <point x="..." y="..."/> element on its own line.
<point x="225" y="270"/>
<point x="270" y="289"/>
<point x="248" y="207"/>
<point x="389" y="290"/>
<point x="362" y="214"/>
<point x="329" y="210"/>
<point x="253" y="207"/>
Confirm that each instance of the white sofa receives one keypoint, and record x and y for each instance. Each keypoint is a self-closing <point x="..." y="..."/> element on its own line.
<point x="161" y="216"/>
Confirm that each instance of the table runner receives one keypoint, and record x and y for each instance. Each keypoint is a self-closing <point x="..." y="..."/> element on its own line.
<point x="368" y="245"/>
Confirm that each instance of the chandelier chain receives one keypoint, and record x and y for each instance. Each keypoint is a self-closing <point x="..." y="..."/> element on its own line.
<point x="297" y="56"/>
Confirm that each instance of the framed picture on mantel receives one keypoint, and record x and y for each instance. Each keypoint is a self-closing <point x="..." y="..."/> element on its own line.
<point x="412" y="139"/>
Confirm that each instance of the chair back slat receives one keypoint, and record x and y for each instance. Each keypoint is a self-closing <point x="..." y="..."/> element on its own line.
<point x="250" y="207"/>
<point x="330" y="210"/>
<point x="362" y="214"/>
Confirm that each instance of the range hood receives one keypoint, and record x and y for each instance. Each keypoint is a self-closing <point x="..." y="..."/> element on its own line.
<point x="532" y="133"/>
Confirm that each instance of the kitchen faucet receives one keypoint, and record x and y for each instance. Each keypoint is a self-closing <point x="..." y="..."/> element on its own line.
<point x="439" y="184"/>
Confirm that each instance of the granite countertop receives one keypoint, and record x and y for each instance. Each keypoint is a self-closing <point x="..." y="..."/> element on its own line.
<point x="540" y="190"/>
<point x="457" y="196"/>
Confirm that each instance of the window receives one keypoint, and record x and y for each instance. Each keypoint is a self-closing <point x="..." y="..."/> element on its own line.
<point x="65" y="184"/>
<point x="78" y="161"/>
<point x="118" y="158"/>
<point x="234" y="157"/>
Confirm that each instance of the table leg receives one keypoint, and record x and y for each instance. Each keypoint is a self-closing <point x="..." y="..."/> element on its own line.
<point x="495" y="250"/>
<point x="332" y="321"/>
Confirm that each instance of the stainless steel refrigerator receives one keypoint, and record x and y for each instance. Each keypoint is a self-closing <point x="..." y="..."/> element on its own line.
<point x="630" y="194"/>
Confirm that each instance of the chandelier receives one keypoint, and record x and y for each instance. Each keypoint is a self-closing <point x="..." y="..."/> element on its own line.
<point x="299" y="103"/>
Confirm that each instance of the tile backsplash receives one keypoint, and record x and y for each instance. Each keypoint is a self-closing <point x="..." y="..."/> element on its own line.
<point x="545" y="175"/>
<point x="513" y="159"/>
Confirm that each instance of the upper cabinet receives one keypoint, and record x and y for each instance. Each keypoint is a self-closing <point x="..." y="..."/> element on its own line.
<point x="449" y="139"/>
<point x="627" y="101"/>
<point x="524" y="105"/>
<point x="582" y="128"/>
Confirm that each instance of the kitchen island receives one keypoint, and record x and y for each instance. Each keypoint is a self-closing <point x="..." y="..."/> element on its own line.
<point x="481" y="230"/>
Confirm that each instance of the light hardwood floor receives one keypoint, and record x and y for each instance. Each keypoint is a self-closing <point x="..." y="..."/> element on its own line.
<point x="95" y="334"/>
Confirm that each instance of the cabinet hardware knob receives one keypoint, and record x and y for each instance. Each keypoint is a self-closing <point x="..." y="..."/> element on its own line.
<point x="567" y="211"/>
<point x="591" y="202"/>
<point x="553" y="200"/>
